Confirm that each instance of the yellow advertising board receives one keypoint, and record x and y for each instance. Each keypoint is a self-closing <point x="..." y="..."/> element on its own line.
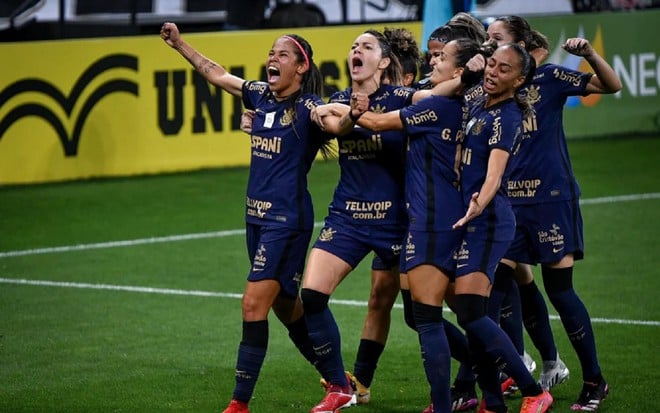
<point x="120" y="106"/>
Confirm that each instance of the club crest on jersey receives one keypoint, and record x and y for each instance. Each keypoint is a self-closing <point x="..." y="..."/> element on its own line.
<point x="533" y="95"/>
<point x="326" y="234"/>
<point x="378" y="108"/>
<point x="475" y="126"/>
<point x="287" y="117"/>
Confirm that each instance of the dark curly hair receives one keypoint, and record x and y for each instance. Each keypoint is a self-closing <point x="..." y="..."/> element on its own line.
<point x="404" y="46"/>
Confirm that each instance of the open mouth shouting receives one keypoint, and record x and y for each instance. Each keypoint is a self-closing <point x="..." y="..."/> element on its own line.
<point x="273" y="74"/>
<point x="356" y="65"/>
<point x="489" y="84"/>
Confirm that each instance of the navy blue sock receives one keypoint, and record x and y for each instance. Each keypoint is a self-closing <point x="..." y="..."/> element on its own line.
<point x="407" y="309"/>
<point x="369" y="352"/>
<point x="251" y="354"/>
<point x="486" y="373"/>
<point x="300" y="336"/>
<point x="574" y="317"/>
<point x="537" y="321"/>
<point x="435" y="353"/>
<point x="505" y="291"/>
<point x="459" y="350"/>
<point x="458" y="344"/>
<point x="501" y="286"/>
<point x="324" y="335"/>
<point x="511" y="318"/>
<point x="465" y="375"/>
<point x="497" y="345"/>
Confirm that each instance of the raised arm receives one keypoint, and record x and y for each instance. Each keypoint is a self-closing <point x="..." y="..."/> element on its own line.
<point x="212" y="72"/>
<point x="605" y="79"/>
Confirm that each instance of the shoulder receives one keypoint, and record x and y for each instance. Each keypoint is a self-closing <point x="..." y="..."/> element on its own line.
<point x="309" y="101"/>
<point x="254" y="86"/>
<point x="511" y="110"/>
<point x="558" y="74"/>
<point x="403" y="92"/>
<point x="341" y="96"/>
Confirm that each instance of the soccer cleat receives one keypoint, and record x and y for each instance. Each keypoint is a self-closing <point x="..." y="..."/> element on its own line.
<point x="429" y="409"/>
<point x="529" y="362"/>
<point x="335" y="399"/>
<point x="508" y="386"/>
<point x="536" y="404"/>
<point x="462" y="401"/>
<point x="591" y="396"/>
<point x="362" y="393"/>
<point x="326" y="385"/>
<point x="237" y="406"/>
<point x="553" y="373"/>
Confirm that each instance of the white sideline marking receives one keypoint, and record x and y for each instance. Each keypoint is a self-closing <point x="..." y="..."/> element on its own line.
<point x="619" y="198"/>
<point x="125" y="243"/>
<point x="228" y="233"/>
<point x="196" y="293"/>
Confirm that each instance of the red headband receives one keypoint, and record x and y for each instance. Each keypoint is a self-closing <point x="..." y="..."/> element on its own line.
<point x="299" y="47"/>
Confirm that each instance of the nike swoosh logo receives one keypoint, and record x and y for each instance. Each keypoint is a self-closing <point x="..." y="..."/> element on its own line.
<point x="556" y="250"/>
<point x="321" y="347"/>
<point x="461" y="265"/>
<point x="409" y="258"/>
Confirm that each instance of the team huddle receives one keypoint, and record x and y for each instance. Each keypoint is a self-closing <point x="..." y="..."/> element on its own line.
<point x="454" y="186"/>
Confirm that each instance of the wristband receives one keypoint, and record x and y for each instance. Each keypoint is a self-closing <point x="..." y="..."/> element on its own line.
<point x="470" y="78"/>
<point x="354" y="118"/>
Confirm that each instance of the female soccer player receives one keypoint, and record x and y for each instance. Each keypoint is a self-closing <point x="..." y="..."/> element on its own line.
<point x="384" y="277"/>
<point x="435" y="128"/>
<point x="367" y="212"/>
<point x="492" y="135"/>
<point x="385" y="284"/>
<point x="543" y="185"/>
<point x="279" y="214"/>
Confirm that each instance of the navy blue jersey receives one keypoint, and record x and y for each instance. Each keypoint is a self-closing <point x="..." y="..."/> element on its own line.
<point x="435" y="130"/>
<point x="284" y="144"/>
<point x="496" y="127"/>
<point x="372" y="165"/>
<point x="543" y="171"/>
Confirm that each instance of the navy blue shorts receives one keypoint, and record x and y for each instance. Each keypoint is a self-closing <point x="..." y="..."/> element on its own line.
<point x="378" y="264"/>
<point x="485" y="240"/>
<point x="277" y="253"/>
<point x="433" y="248"/>
<point x="352" y="242"/>
<point x="545" y="233"/>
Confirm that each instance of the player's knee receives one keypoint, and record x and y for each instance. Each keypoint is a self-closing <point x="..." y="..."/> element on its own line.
<point x="253" y="308"/>
<point x="557" y="280"/>
<point x="469" y="307"/>
<point x="381" y="301"/>
<point x="408" y="316"/>
<point x="426" y="314"/>
<point x="314" y="302"/>
<point x="503" y="277"/>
